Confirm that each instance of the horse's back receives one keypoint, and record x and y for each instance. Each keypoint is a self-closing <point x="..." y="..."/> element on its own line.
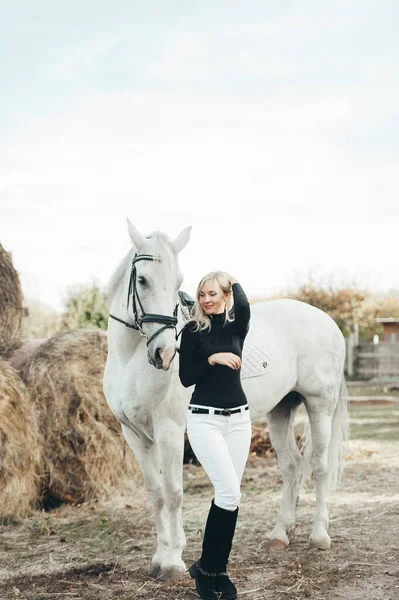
<point x="287" y="309"/>
<point x="303" y="325"/>
<point x="302" y="348"/>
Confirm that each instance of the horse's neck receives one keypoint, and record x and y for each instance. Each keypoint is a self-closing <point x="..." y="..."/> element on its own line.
<point x="119" y="306"/>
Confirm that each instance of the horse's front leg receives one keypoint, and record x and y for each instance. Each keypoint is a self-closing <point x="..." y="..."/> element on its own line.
<point x="148" y="456"/>
<point x="170" y="443"/>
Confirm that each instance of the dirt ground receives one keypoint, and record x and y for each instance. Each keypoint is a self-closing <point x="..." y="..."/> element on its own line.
<point x="102" y="552"/>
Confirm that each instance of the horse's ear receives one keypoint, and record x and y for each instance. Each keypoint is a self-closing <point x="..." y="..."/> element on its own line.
<point x="136" y="237"/>
<point x="182" y="239"/>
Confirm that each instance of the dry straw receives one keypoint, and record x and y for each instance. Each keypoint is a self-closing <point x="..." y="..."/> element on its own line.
<point x="20" y="356"/>
<point x="19" y="447"/>
<point x="85" y="456"/>
<point x="11" y="310"/>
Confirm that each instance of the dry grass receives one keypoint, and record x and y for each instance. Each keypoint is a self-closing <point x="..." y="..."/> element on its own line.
<point x="20" y="448"/>
<point x="102" y="551"/>
<point x="19" y="356"/>
<point x="85" y="456"/>
<point x="11" y="310"/>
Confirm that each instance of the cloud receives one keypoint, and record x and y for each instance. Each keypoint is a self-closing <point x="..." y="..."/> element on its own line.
<point x="171" y="153"/>
<point x="270" y="128"/>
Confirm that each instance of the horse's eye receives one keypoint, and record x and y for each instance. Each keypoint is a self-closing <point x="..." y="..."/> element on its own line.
<point x="142" y="280"/>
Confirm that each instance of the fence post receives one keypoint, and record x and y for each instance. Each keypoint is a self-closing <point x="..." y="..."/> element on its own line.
<point x="350" y="355"/>
<point x="356" y="334"/>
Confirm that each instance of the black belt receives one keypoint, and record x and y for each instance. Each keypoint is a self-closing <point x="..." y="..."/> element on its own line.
<point x="226" y="412"/>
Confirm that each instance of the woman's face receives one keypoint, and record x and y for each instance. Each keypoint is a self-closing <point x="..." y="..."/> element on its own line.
<point x="212" y="298"/>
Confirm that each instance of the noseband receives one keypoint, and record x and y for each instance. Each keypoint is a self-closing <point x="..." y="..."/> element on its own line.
<point x="166" y="321"/>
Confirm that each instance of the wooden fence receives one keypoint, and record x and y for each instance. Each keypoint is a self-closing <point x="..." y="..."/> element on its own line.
<point x="368" y="360"/>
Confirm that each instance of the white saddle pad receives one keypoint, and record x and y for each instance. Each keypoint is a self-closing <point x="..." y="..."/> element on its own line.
<point x="255" y="357"/>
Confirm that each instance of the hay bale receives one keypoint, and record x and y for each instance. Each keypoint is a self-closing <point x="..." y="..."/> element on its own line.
<point x="85" y="455"/>
<point x="22" y="355"/>
<point x="260" y="442"/>
<point x="11" y="310"/>
<point x="20" y="447"/>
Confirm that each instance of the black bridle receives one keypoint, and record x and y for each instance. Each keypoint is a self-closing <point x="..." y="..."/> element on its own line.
<point x="166" y="321"/>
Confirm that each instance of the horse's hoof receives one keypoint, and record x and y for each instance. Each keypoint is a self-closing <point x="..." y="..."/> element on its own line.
<point x="171" y="573"/>
<point x="278" y="543"/>
<point x="278" y="540"/>
<point x="154" y="570"/>
<point x="321" y="543"/>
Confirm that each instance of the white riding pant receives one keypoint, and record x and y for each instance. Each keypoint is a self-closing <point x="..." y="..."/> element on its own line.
<point x="221" y="444"/>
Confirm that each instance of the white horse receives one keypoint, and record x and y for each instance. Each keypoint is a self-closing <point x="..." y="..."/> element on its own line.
<point x="302" y="358"/>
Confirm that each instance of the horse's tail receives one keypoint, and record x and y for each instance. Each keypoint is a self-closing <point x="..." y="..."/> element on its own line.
<point x="339" y="435"/>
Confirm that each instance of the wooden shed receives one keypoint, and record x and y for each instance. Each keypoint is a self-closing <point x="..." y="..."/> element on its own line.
<point x="391" y="329"/>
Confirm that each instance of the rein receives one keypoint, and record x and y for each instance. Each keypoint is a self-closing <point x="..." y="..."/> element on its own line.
<point x="165" y="320"/>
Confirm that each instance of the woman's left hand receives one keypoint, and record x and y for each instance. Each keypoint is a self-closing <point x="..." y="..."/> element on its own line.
<point x="232" y="279"/>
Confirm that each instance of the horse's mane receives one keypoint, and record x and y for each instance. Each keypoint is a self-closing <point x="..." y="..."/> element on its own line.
<point x="117" y="277"/>
<point x="163" y="246"/>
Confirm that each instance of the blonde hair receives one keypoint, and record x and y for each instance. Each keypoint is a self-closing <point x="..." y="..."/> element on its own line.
<point x="199" y="317"/>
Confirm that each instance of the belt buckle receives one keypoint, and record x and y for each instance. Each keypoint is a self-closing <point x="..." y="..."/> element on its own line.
<point x="226" y="412"/>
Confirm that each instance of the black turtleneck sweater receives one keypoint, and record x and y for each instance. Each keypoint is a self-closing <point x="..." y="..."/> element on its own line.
<point x="215" y="385"/>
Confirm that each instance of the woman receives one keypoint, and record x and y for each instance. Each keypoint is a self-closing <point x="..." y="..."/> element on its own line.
<point x="218" y="421"/>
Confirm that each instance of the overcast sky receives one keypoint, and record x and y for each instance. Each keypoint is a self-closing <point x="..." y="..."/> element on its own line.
<point x="270" y="127"/>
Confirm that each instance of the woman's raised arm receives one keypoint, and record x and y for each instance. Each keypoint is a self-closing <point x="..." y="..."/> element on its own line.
<point x="242" y="310"/>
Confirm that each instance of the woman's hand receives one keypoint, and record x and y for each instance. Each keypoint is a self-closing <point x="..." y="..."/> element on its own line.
<point x="232" y="279"/>
<point x="225" y="358"/>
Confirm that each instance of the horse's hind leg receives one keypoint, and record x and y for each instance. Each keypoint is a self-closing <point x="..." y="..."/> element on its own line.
<point x="281" y="428"/>
<point x="320" y="412"/>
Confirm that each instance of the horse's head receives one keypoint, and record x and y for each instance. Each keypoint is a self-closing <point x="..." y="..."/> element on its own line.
<point x="153" y="296"/>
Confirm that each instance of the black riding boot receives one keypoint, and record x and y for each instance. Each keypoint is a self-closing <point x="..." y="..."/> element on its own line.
<point x="223" y="582"/>
<point x="204" y="570"/>
<point x="204" y="582"/>
<point x="210" y="571"/>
